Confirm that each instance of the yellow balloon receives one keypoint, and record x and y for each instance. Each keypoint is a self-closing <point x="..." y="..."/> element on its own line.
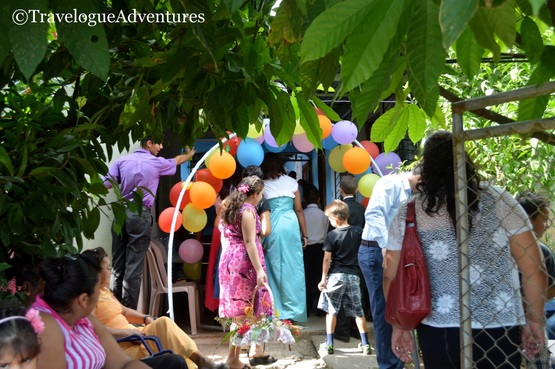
<point x="366" y="184"/>
<point x="193" y="271"/>
<point x="254" y="132"/>
<point x="298" y="128"/>
<point x="194" y="219"/>
<point x="335" y="159"/>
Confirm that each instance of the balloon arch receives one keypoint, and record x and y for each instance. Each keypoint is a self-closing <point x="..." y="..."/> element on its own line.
<point x="192" y="197"/>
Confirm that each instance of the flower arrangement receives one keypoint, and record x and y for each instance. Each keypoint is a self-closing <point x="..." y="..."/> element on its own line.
<point x="260" y="328"/>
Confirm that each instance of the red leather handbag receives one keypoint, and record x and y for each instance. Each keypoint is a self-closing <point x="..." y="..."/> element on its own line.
<point x="409" y="299"/>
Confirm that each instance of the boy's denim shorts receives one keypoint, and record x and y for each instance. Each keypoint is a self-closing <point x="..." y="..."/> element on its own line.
<point x="343" y="289"/>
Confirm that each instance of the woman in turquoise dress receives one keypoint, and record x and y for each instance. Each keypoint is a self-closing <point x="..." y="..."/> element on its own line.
<point x="283" y="248"/>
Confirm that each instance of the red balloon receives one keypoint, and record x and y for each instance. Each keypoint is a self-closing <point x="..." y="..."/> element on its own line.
<point x="174" y="195"/>
<point x="371" y="148"/>
<point x="365" y="201"/>
<point x="165" y="220"/>
<point x="233" y="144"/>
<point x="204" y="175"/>
<point x="319" y="111"/>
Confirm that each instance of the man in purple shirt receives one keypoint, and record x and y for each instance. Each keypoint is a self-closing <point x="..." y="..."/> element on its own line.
<point x="141" y="169"/>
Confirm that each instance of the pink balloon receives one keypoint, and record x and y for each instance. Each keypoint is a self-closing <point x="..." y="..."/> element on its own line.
<point x="302" y="143"/>
<point x="344" y="132"/>
<point x="191" y="251"/>
<point x="387" y="163"/>
<point x="270" y="140"/>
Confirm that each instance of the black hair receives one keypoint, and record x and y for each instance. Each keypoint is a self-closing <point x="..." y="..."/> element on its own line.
<point x="532" y="203"/>
<point x="311" y="195"/>
<point x="437" y="178"/>
<point x="66" y="278"/>
<point x="17" y="335"/>
<point x="253" y="170"/>
<point x="236" y="199"/>
<point x="272" y="166"/>
<point x="98" y="254"/>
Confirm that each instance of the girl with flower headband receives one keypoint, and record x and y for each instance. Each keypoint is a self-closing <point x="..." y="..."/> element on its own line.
<point x="19" y="344"/>
<point x="242" y="266"/>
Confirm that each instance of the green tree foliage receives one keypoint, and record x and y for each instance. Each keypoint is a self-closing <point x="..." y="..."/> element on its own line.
<point x="72" y="89"/>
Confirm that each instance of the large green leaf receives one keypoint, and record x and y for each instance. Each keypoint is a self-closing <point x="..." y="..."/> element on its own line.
<point x="333" y="26"/>
<point x="328" y="112"/>
<point x="5" y="30"/>
<point x="366" y="98"/>
<point x="503" y="19"/>
<point x="397" y="129"/>
<point x="91" y="223"/>
<point x="382" y="125"/>
<point x="416" y="122"/>
<point x="312" y="126"/>
<point x="469" y="53"/>
<point x="32" y="32"/>
<point x="6" y="161"/>
<point x="85" y="41"/>
<point x="545" y="70"/>
<point x="532" y="42"/>
<point x="365" y="49"/>
<point x="453" y="18"/>
<point x="425" y="55"/>
<point x="484" y="33"/>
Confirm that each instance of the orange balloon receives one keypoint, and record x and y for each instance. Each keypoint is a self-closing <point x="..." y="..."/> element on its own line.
<point x="371" y="148"/>
<point x="222" y="165"/>
<point x="356" y="160"/>
<point x="319" y="111"/>
<point x="205" y="175"/>
<point x="202" y="195"/>
<point x="165" y="220"/>
<point x="325" y="124"/>
<point x="174" y="195"/>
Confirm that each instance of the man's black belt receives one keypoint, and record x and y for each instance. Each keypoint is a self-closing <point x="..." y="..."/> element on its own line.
<point x="369" y="243"/>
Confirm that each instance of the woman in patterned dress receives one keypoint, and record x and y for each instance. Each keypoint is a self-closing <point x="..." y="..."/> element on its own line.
<point x="502" y="248"/>
<point x="242" y="266"/>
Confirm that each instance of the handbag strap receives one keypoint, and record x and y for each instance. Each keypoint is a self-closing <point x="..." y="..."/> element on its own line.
<point x="411" y="214"/>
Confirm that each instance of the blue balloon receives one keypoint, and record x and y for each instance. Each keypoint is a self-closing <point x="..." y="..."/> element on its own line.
<point x="270" y="148"/>
<point x="329" y="143"/>
<point x="250" y="152"/>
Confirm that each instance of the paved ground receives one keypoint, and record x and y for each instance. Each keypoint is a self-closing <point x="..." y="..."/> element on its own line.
<point x="302" y="355"/>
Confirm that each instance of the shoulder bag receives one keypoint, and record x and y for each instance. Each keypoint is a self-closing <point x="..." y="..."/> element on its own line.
<point x="409" y="298"/>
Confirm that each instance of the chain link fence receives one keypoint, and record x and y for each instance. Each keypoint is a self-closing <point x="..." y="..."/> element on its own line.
<point x="475" y="274"/>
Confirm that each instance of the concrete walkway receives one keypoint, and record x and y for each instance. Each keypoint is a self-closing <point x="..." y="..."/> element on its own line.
<point x="301" y="355"/>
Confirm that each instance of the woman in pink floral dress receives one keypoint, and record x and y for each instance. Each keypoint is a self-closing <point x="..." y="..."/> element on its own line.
<point x="242" y="266"/>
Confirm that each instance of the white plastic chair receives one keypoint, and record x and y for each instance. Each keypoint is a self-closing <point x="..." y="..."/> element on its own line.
<point x="159" y="287"/>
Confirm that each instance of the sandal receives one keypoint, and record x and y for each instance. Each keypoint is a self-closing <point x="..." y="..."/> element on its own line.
<point x="262" y="360"/>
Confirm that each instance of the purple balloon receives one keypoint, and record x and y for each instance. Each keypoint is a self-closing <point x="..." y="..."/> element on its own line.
<point x="387" y="163"/>
<point x="250" y="152"/>
<point x="344" y="132"/>
<point x="191" y="251"/>
<point x="268" y="138"/>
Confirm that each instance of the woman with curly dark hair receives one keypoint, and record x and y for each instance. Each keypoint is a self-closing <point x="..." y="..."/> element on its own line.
<point x="502" y="248"/>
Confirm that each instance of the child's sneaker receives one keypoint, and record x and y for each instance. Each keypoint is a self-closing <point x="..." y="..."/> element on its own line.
<point x="327" y="348"/>
<point x="366" y="349"/>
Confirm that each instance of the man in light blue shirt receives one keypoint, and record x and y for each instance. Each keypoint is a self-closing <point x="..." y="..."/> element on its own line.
<point x="387" y="194"/>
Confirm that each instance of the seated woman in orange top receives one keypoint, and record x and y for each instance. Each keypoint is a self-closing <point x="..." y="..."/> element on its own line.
<point x="119" y="321"/>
